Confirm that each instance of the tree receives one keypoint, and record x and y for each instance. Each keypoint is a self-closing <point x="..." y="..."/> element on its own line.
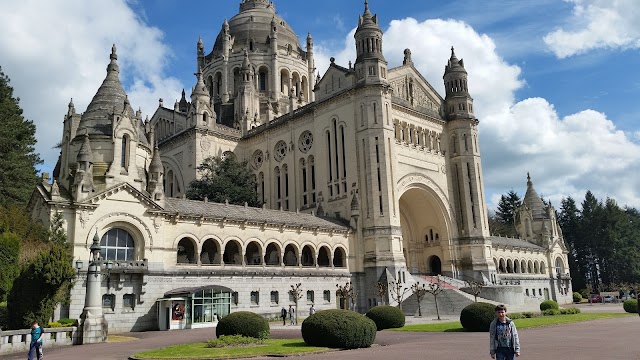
<point x="18" y="159"/>
<point x="419" y="292"/>
<point x="569" y="221"/>
<point x="435" y="289"/>
<point x="39" y="287"/>
<point x="10" y="260"/>
<point x="225" y="179"/>
<point x="505" y="215"/>
<point x="475" y="287"/>
<point x="296" y="294"/>
<point x="348" y="293"/>
<point x="397" y="292"/>
<point x="381" y="290"/>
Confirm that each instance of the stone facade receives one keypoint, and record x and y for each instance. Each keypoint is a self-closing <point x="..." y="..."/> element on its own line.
<point x="363" y="172"/>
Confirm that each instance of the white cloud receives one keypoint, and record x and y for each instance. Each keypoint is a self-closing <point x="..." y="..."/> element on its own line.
<point x="597" y="24"/>
<point x="565" y="155"/>
<point x="54" y="51"/>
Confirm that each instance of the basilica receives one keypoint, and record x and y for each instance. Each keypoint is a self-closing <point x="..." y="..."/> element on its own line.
<point x="366" y="174"/>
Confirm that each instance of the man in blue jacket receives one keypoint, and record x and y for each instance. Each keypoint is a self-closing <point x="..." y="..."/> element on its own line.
<point x="36" y="341"/>
<point x="504" y="343"/>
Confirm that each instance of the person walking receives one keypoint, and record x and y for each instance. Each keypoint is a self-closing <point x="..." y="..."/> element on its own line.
<point x="36" y="341"/>
<point x="312" y="310"/>
<point x="291" y="314"/>
<point x="504" y="343"/>
<point x="283" y="315"/>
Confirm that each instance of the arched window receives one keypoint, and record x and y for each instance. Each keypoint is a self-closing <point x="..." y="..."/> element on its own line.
<point x="559" y="267"/>
<point x="124" y="158"/>
<point x="117" y="245"/>
<point x="263" y="81"/>
<point x="186" y="253"/>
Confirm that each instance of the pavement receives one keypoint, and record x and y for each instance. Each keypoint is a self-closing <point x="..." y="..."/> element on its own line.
<point x="598" y="339"/>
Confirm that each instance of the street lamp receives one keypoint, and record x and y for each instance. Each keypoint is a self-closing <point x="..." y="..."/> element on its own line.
<point x="94" y="326"/>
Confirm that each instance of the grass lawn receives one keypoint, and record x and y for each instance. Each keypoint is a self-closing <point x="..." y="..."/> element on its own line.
<point x="199" y="351"/>
<point x="520" y="323"/>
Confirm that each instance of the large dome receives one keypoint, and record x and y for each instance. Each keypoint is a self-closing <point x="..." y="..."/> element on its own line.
<point x="253" y="23"/>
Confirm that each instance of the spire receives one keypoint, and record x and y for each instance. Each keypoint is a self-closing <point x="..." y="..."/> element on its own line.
<point x="246" y="64"/>
<point x="200" y="88"/>
<point x="85" y="154"/>
<point x="156" y="164"/>
<point x="110" y="99"/>
<point x="533" y="201"/>
<point x="200" y="45"/>
<point x="366" y="7"/>
<point x="113" y="65"/>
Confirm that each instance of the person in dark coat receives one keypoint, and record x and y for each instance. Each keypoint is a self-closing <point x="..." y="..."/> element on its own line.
<point x="283" y="315"/>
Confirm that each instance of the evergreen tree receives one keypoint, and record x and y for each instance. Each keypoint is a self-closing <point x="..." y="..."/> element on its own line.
<point x="225" y="179"/>
<point x="506" y="214"/>
<point x="18" y="159"/>
<point x="590" y="230"/>
<point x="10" y="260"/>
<point x="569" y="221"/>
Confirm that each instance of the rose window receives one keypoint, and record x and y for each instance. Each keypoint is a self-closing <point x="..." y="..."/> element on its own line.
<point x="280" y="150"/>
<point x="305" y="142"/>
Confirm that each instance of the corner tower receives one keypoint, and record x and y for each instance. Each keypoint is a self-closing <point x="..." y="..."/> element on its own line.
<point x="370" y="65"/>
<point x="465" y="168"/>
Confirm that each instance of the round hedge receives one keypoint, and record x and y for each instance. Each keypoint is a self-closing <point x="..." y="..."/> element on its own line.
<point x="549" y="304"/>
<point x="343" y="329"/>
<point x="577" y="297"/>
<point x="243" y="323"/>
<point x="477" y="316"/>
<point x="386" y="317"/>
<point x="630" y="306"/>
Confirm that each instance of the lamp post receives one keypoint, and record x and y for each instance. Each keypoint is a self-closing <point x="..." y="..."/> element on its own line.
<point x="93" y="324"/>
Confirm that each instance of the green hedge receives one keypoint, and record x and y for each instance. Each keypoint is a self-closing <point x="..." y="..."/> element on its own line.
<point x="549" y="304"/>
<point x="630" y="306"/>
<point x="477" y="316"/>
<point x="550" y="312"/>
<point x="343" y="329"/>
<point x="243" y="323"/>
<point x="577" y="297"/>
<point x="386" y="317"/>
<point x="569" y="311"/>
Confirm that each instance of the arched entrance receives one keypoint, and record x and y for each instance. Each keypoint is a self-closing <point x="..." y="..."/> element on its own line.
<point x="435" y="265"/>
<point x="425" y="232"/>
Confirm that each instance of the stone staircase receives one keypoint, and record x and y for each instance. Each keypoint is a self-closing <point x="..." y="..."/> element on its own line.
<point x="450" y="302"/>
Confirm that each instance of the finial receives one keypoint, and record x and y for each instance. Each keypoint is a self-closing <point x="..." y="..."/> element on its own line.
<point x="126" y="100"/>
<point x="366" y="5"/>
<point x="529" y="183"/>
<point x="113" y="56"/>
<point x="71" y="103"/>
<point x="453" y="53"/>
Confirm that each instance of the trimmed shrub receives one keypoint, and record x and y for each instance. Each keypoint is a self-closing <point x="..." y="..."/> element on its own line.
<point x="549" y="304"/>
<point x="68" y="322"/>
<point x="577" y="297"/>
<point x="343" y="329"/>
<point x="514" y="316"/>
<point x="232" y="341"/>
<point x="243" y="323"/>
<point x="550" y="312"/>
<point x="569" y="311"/>
<point x="386" y="317"/>
<point x="528" y="315"/>
<point x="630" y="306"/>
<point x="477" y="316"/>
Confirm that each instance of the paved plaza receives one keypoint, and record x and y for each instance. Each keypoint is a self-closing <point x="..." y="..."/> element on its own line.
<point x="599" y="339"/>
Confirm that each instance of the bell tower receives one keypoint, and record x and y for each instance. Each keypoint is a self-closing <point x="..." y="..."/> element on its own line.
<point x="464" y="153"/>
<point x="370" y="65"/>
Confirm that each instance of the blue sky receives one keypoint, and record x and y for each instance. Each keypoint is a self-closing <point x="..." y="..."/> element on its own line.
<point x="554" y="82"/>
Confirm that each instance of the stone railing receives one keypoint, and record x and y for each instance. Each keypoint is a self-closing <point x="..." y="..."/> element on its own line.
<point x="19" y="340"/>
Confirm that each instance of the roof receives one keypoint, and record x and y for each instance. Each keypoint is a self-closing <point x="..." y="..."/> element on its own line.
<point x="109" y="99"/>
<point x="534" y="202"/>
<point x="503" y="241"/>
<point x="260" y="215"/>
<point x="191" y="290"/>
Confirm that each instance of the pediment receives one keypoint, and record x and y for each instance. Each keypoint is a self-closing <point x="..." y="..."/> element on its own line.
<point x="408" y="84"/>
<point x="124" y="193"/>
<point x="334" y="80"/>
